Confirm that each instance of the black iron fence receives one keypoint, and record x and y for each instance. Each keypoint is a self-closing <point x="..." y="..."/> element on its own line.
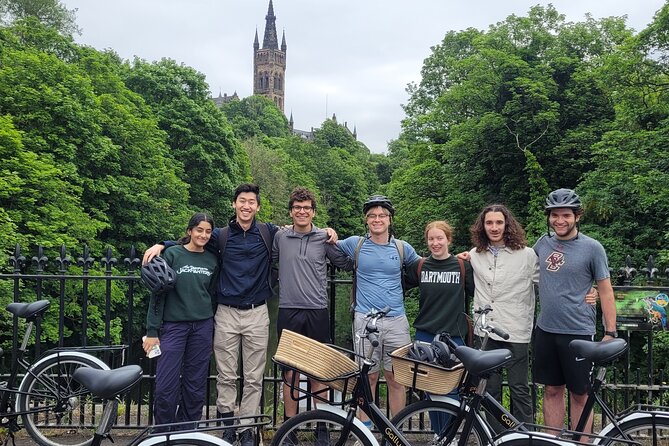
<point x="98" y="301"/>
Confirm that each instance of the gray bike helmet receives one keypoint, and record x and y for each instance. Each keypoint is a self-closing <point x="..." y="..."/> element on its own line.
<point x="378" y="200"/>
<point x="158" y="276"/>
<point x="563" y="198"/>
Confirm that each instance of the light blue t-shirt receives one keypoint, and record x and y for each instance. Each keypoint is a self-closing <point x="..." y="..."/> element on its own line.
<point x="379" y="274"/>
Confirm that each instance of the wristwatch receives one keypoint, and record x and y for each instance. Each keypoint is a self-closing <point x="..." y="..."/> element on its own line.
<point x="613" y="334"/>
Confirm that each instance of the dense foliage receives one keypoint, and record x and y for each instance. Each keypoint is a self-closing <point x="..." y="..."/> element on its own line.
<point x="101" y="151"/>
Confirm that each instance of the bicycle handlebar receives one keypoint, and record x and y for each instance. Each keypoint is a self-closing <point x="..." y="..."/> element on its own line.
<point x="371" y="328"/>
<point x="487" y="328"/>
<point x="501" y="333"/>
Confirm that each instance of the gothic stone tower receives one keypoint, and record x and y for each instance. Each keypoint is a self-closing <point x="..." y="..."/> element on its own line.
<point x="269" y="63"/>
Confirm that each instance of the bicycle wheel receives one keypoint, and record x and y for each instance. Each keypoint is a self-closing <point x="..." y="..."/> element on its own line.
<point x="421" y="421"/>
<point x="648" y="430"/>
<point x="63" y="412"/>
<point x="186" y="439"/>
<point x="318" y="428"/>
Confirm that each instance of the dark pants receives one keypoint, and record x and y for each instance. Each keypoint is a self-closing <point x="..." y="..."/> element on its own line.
<point x="440" y="421"/>
<point x="181" y="373"/>
<point x="516" y="372"/>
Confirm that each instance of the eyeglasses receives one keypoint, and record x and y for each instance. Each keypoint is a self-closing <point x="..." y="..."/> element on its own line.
<point x="302" y="208"/>
<point x="375" y="216"/>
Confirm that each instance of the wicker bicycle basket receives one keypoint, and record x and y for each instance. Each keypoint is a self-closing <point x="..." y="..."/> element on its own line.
<point x="423" y="376"/>
<point x="316" y="360"/>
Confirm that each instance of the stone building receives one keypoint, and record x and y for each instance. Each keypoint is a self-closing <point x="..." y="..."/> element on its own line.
<point x="269" y="62"/>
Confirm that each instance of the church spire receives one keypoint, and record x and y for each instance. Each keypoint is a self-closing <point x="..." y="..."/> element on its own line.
<point x="283" y="41"/>
<point x="256" y="44"/>
<point x="270" y="41"/>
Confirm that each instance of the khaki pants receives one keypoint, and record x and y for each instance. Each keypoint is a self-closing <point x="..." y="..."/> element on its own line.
<point x="250" y="330"/>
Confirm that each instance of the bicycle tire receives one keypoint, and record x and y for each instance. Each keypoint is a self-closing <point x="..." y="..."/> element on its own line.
<point x="415" y="421"/>
<point x="301" y="430"/>
<point x="648" y="430"/>
<point x="186" y="439"/>
<point x="67" y="425"/>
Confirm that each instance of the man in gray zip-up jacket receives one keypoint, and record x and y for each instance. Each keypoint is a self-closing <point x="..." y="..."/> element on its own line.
<point x="302" y="253"/>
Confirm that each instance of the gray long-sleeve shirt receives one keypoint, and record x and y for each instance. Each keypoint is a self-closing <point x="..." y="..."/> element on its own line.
<point x="302" y="261"/>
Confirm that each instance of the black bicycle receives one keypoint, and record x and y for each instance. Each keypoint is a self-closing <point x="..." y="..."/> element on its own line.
<point x="47" y="401"/>
<point x="111" y="385"/>
<point x="642" y="425"/>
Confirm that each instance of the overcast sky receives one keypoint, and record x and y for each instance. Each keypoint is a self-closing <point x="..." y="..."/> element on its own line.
<point x="349" y="57"/>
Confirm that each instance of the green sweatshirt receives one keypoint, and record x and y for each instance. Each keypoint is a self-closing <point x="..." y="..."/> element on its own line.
<point x="190" y="299"/>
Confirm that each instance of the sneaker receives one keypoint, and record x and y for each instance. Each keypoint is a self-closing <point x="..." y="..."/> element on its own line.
<point x="322" y="435"/>
<point x="230" y="435"/>
<point x="246" y="438"/>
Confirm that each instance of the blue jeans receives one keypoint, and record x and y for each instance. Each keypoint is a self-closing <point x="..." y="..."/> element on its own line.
<point x="439" y="421"/>
<point x="182" y="369"/>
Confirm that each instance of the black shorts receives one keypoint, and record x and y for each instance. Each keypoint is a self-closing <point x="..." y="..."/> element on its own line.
<point x="314" y="324"/>
<point x="555" y="365"/>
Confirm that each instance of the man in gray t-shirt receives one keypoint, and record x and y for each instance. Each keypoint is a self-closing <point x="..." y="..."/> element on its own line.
<point x="302" y="252"/>
<point x="569" y="262"/>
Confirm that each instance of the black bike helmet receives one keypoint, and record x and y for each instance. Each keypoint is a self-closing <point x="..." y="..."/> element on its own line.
<point x="442" y="353"/>
<point x="378" y="200"/>
<point x="421" y="351"/>
<point x="158" y="276"/>
<point x="563" y="198"/>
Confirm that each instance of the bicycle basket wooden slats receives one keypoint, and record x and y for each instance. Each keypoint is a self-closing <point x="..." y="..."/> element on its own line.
<point x="316" y="360"/>
<point x="423" y="376"/>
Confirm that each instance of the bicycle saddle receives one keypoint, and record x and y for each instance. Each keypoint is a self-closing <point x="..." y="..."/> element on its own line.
<point x="601" y="352"/>
<point x="479" y="362"/>
<point x="28" y="310"/>
<point x="107" y="384"/>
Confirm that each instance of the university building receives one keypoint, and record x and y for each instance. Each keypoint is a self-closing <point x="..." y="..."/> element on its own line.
<point x="269" y="72"/>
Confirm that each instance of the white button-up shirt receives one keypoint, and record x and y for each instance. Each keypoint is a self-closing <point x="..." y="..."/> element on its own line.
<point x="506" y="283"/>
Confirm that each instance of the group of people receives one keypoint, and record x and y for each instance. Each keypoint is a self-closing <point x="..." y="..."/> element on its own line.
<point x="224" y="278"/>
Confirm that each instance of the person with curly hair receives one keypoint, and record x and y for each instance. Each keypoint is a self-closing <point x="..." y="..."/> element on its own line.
<point x="505" y="271"/>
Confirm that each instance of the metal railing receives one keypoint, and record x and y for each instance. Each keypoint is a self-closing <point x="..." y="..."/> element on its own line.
<point x="97" y="301"/>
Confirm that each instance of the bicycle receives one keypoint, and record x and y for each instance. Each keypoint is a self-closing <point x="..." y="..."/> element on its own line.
<point x="330" y="425"/>
<point x="111" y="385"/>
<point x="46" y="400"/>
<point x="637" y="425"/>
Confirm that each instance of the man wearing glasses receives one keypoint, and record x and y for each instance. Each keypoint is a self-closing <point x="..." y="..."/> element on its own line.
<point x="302" y="252"/>
<point x="378" y="283"/>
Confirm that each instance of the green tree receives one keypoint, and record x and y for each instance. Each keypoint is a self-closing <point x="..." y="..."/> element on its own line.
<point x="212" y="160"/>
<point x="51" y="13"/>
<point x="37" y="207"/>
<point x="102" y="137"/>
<point x="508" y="114"/>
<point x="256" y="116"/>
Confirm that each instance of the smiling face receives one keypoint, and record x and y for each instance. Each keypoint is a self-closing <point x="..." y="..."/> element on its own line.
<point x="438" y="242"/>
<point x="302" y="213"/>
<point x="246" y="207"/>
<point x="494" y="224"/>
<point x="563" y="221"/>
<point x="200" y="235"/>
<point x="378" y="221"/>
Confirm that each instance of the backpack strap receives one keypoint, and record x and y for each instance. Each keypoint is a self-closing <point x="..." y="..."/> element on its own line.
<point x="462" y="272"/>
<point x="354" y="288"/>
<point x="420" y="267"/>
<point x="266" y="237"/>
<point x="223" y="238"/>
<point x="470" y="328"/>
<point x="400" y="249"/>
